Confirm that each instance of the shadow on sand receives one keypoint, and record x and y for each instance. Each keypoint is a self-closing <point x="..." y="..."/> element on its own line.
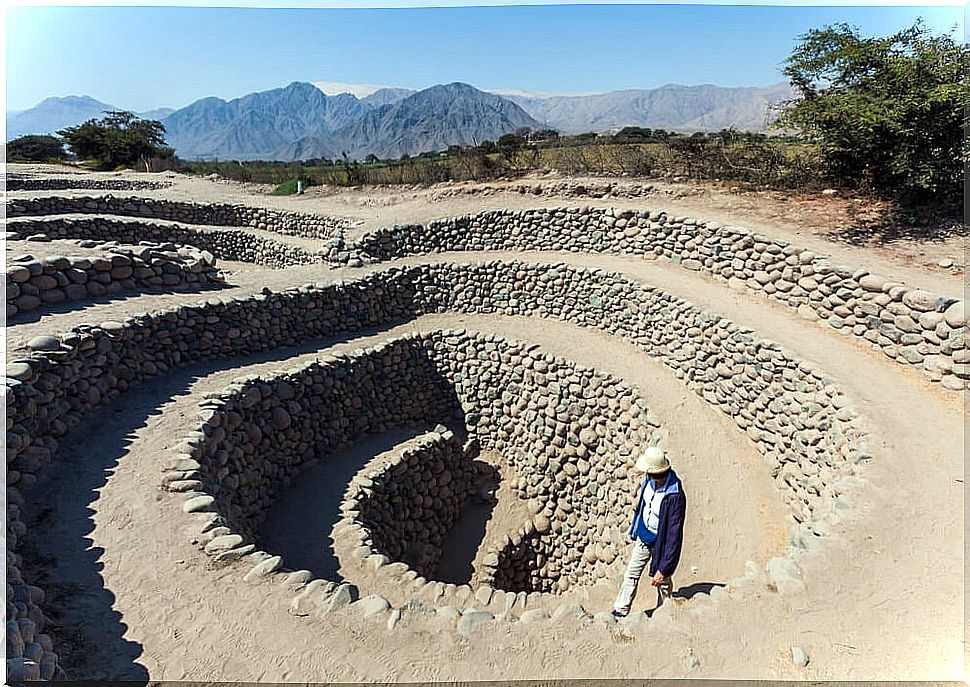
<point x="59" y="553"/>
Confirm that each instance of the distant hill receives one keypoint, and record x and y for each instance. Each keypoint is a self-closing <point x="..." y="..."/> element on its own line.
<point x="258" y="125"/>
<point x="432" y="119"/>
<point x="158" y="113"/>
<point x="680" y="108"/>
<point x="387" y="96"/>
<point x="53" y="114"/>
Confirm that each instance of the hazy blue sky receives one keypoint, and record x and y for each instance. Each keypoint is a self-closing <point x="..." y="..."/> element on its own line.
<point x="147" y="57"/>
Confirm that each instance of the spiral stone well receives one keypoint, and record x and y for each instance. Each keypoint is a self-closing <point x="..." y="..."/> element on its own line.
<point x="565" y="432"/>
<point x="478" y="486"/>
<point x="561" y="437"/>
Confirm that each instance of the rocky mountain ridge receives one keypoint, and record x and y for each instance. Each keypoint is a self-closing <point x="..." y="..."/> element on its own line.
<point x="300" y="121"/>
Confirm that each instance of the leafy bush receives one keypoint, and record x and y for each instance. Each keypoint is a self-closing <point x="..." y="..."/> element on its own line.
<point x="120" y="139"/>
<point x="35" y="149"/>
<point x="887" y="113"/>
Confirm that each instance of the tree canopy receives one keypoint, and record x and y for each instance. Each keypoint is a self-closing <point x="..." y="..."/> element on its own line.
<point x="119" y="139"/>
<point x="887" y="113"/>
<point x="35" y="148"/>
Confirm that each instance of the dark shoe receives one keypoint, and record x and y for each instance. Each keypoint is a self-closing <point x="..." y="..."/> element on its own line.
<point x="617" y="614"/>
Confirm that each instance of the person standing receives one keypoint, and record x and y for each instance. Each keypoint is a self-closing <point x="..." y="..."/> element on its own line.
<point x="656" y="531"/>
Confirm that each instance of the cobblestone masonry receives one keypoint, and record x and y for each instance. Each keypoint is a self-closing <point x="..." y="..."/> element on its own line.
<point x="566" y="432"/>
<point x="909" y="325"/>
<point x="36" y="283"/>
<point x="797" y="417"/>
<point x="222" y="214"/>
<point x="227" y="244"/>
<point x="20" y="183"/>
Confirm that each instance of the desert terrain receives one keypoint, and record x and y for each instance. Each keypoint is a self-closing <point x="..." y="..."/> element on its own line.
<point x="809" y="388"/>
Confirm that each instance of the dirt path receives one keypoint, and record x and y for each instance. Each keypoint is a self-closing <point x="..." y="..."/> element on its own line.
<point x="298" y="525"/>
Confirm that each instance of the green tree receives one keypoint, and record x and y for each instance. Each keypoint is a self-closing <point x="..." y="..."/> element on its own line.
<point x="887" y="113"/>
<point x="509" y="146"/>
<point x="35" y="148"/>
<point x="119" y="139"/>
<point x="632" y="134"/>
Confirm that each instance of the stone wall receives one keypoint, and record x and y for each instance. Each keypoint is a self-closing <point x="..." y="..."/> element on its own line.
<point x="218" y="214"/>
<point x="37" y="283"/>
<point x="910" y="326"/>
<point x="406" y="508"/>
<point x="566" y="433"/>
<point x="226" y="244"/>
<point x="30" y="652"/>
<point x="796" y="416"/>
<point x="19" y="183"/>
<point x="567" y="188"/>
<point x="269" y="430"/>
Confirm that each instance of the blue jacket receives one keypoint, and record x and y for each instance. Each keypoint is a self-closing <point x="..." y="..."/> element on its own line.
<point x="670" y="533"/>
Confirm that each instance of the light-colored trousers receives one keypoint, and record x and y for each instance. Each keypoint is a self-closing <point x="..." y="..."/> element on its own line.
<point x="634" y="569"/>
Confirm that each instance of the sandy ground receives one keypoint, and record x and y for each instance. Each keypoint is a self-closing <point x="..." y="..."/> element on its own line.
<point x="884" y="593"/>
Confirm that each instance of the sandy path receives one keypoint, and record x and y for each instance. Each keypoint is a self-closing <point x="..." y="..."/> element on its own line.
<point x="898" y="564"/>
<point x="298" y="525"/>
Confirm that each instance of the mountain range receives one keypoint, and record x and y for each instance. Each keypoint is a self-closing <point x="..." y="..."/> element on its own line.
<point x="432" y="119"/>
<point x="674" y="107"/>
<point x="52" y="114"/>
<point x="300" y="121"/>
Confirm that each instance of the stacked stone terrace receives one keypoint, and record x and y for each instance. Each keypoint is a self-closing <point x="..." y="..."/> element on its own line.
<point x="799" y="421"/>
<point x="105" y="268"/>
<point x="222" y="214"/>
<point x="234" y="244"/>
<point x="568" y="434"/>
<point x="909" y="325"/>
<point x="17" y="182"/>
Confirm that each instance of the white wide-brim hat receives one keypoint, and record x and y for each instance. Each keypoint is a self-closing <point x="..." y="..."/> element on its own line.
<point x="653" y="461"/>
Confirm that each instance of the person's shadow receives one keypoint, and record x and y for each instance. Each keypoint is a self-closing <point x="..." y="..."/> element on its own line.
<point x="692" y="590"/>
<point x="688" y="592"/>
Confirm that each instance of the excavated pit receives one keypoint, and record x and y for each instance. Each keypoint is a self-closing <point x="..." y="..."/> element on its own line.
<point x="567" y="453"/>
<point x="558" y="434"/>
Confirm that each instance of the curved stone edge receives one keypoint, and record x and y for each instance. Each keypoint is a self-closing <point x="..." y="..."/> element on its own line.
<point x="16" y="182"/>
<point x="264" y="407"/>
<point x="219" y="214"/>
<point x="49" y="392"/>
<point x="226" y="244"/>
<point x="587" y="188"/>
<point x="35" y="284"/>
<point x="909" y="325"/>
